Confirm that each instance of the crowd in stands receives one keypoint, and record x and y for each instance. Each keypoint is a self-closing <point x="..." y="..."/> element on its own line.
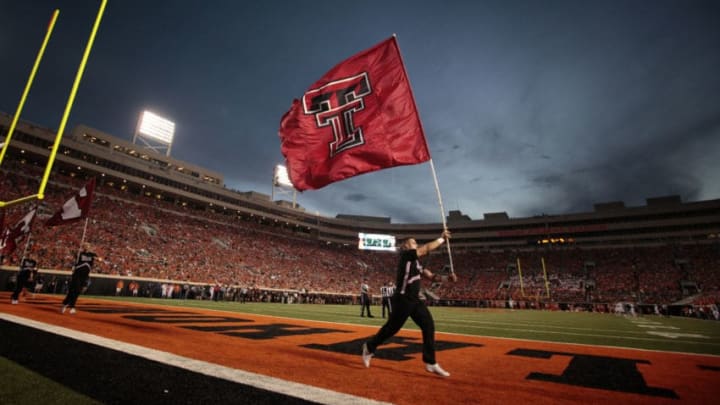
<point x="141" y="236"/>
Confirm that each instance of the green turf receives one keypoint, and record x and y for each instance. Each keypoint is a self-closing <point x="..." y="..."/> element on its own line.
<point x="22" y="386"/>
<point x="676" y="334"/>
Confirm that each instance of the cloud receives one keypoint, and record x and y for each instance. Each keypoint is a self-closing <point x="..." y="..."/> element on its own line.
<point x="528" y="109"/>
<point x="355" y="197"/>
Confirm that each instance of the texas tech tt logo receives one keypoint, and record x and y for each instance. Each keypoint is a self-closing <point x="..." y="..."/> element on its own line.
<point x="334" y="104"/>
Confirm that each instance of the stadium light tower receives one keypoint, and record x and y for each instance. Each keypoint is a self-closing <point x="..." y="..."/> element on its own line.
<point x="281" y="181"/>
<point x="155" y="132"/>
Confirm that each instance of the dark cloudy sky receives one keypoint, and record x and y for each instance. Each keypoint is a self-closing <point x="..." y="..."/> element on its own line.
<point x="529" y="107"/>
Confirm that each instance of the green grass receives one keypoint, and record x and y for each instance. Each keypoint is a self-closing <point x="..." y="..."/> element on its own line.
<point x="675" y="334"/>
<point x="22" y="386"/>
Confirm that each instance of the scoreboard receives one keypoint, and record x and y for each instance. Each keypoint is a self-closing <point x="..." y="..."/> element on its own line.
<point x="373" y="241"/>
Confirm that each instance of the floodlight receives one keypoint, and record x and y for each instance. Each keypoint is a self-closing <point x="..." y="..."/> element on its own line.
<point x="281" y="182"/>
<point x="281" y="178"/>
<point x="156" y="127"/>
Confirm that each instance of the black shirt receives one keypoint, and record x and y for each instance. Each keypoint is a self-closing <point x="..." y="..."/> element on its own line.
<point x="409" y="274"/>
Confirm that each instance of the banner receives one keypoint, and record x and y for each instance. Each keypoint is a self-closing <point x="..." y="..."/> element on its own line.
<point x="12" y="236"/>
<point x="358" y="118"/>
<point x="76" y="207"/>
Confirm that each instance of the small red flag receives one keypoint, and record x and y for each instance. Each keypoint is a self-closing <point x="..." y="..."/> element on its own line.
<point x="358" y="118"/>
<point x="76" y="207"/>
<point x="12" y="236"/>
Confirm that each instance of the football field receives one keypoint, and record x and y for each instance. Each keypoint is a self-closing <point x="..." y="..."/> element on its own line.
<point x="124" y="350"/>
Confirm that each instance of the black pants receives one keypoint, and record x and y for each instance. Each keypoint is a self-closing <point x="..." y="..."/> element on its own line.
<point x="386" y="303"/>
<point x="20" y="283"/>
<point x="18" y="289"/>
<point x="365" y="304"/>
<point x="72" y="296"/>
<point x="402" y="309"/>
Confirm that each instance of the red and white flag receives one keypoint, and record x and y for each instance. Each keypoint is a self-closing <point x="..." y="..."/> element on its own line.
<point x="76" y="207"/>
<point x="358" y="118"/>
<point x="12" y="236"/>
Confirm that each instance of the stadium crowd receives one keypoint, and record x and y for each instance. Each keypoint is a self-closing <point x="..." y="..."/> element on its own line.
<point x="141" y="236"/>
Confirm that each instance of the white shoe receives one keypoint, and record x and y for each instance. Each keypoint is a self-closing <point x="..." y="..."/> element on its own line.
<point x="435" y="368"/>
<point x="62" y="311"/>
<point x="14" y="302"/>
<point x="366" y="355"/>
<point x="72" y="311"/>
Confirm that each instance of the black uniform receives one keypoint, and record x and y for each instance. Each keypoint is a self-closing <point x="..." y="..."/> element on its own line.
<point x="406" y="303"/>
<point x="365" y="299"/>
<point x="79" y="278"/>
<point x="24" y="276"/>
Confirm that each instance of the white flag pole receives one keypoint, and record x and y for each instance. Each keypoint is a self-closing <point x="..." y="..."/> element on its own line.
<point x="442" y="214"/>
<point x="432" y="166"/>
<point x="82" y="240"/>
<point x="27" y="244"/>
<point x="29" y="234"/>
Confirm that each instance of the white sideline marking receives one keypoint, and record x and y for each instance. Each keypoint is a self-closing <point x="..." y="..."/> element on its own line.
<point x="673" y="335"/>
<point x="644" y="322"/>
<point x="307" y="392"/>
<point x="648" y="326"/>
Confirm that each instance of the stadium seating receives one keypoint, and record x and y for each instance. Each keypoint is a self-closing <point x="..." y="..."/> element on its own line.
<point x="139" y="236"/>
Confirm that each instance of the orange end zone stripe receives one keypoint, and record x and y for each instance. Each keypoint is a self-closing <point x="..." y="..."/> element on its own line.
<point x="326" y="355"/>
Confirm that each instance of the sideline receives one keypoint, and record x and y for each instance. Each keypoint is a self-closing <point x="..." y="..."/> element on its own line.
<point x="302" y="391"/>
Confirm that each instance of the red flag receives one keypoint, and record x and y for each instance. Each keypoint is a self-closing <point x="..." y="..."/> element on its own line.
<point x="75" y="208"/>
<point x="359" y="117"/>
<point x="12" y="236"/>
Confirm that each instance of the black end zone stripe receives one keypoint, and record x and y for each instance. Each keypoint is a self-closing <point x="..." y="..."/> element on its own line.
<point x="114" y="377"/>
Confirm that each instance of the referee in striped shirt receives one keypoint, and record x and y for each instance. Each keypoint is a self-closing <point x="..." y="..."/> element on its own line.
<point x="387" y="291"/>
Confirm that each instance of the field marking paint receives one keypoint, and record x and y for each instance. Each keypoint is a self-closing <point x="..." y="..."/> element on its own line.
<point x="673" y="335"/>
<point x="644" y="322"/>
<point x="530" y="324"/>
<point x="588" y="335"/>
<point x="640" y="325"/>
<point x="669" y="335"/>
<point x="307" y="392"/>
